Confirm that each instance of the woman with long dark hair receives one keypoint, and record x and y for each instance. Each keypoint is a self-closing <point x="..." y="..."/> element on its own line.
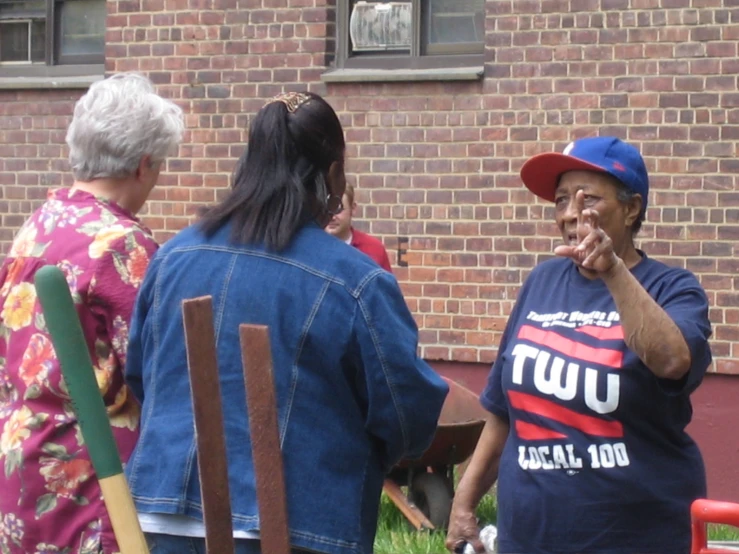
<point x="353" y="397"/>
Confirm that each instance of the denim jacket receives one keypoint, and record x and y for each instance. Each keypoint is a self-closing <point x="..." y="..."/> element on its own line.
<point x="353" y="397"/>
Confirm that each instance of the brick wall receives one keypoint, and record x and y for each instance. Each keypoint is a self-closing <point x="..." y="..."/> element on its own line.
<point x="436" y="163"/>
<point x="32" y="152"/>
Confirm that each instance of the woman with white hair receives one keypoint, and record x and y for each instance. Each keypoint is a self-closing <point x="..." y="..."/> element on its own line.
<point x="118" y="139"/>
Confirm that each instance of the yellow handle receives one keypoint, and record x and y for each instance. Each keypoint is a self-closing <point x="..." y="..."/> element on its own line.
<point x="123" y="516"/>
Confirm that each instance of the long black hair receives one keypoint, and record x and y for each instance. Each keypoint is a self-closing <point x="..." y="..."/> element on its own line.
<point x="280" y="180"/>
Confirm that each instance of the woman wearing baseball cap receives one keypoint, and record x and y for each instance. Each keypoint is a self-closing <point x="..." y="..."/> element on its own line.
<point x="590" y="394"/>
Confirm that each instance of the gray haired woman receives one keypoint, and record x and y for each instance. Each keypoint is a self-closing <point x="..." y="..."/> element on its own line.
<point x="118" y="139"/>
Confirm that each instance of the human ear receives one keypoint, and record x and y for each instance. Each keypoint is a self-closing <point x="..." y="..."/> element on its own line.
<point x="336" y="179"/>
<point x="633" y="210"/>
<point x="145" y="165"/>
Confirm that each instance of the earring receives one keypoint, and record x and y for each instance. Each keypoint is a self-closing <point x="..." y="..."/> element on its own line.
<point x="338" y="204"/>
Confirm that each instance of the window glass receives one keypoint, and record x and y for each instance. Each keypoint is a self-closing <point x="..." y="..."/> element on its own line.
<point x="15" y="45"/>
<point x="38" y="40"/>
<point x="455" y="21"/>
<point x="14" y="41"/>
<point x="28" y="9"/>
<point x="380" y="26"/>
<point x="82" y="27"/>
<point x="22" y="31"/>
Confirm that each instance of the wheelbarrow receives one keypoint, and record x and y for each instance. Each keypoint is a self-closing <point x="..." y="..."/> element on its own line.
<point x="430" y="478"/>
<point x="704" y="511"/>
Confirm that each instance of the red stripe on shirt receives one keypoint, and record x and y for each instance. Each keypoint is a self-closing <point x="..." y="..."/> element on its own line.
<point x="568" y="347"/>
<point x="603" y="333"/>
<point x="546" y="408"/>
<point x="531" y="432"/>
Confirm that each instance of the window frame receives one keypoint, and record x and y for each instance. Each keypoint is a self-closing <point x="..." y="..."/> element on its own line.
<point x="55" y="64"/>
<point x="29" y="24"/>
<point x="415" y="60"/>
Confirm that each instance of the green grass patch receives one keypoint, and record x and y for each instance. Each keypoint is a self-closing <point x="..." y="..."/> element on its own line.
<point x="722" y="533"/>
<point x="395" y="535"/>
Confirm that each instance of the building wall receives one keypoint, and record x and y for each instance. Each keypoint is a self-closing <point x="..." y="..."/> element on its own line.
<point x="32" y="152"/>
<point x="436" y="163"/>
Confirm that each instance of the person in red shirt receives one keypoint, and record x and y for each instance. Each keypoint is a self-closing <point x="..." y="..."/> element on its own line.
<point x="341" y="227"/>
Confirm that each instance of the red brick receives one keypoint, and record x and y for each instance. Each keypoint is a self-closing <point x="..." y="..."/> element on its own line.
<point x="439" y="162"/>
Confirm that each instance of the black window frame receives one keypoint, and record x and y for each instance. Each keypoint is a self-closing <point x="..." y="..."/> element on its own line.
<point x="446" y="57"/>
<point x="55" y="63"/>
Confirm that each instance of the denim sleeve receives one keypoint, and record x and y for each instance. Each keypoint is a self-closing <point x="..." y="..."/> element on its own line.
<point x="134" y="369"/>
<point x="404" y="395"/>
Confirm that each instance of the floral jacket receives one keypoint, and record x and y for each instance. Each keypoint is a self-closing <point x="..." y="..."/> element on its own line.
<point x="50" y="500"/>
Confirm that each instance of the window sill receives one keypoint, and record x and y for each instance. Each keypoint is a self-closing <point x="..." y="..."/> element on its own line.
<point x="50" y="77"/>
<point x="398" y="75"/>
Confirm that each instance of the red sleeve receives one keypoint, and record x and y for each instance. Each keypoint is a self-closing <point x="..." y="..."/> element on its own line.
<point x="382" y="259"/>
<point x="372" y="247"/>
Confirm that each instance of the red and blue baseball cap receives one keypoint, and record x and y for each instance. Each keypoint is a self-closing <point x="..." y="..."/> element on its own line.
<point x="610" y="155"/>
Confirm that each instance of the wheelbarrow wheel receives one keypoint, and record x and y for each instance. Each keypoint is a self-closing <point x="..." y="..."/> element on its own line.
<point x="431" y="493"/>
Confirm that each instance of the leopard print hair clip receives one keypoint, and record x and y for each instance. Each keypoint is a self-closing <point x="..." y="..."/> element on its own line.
<point x="292" y="100"/>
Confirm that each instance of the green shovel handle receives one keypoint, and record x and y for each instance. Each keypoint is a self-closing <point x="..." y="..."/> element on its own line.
<point x="71" y="349"/>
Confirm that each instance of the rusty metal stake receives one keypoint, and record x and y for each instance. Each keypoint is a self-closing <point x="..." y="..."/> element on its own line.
<point x="202" y="363"/>
<point x="256" y="357"/>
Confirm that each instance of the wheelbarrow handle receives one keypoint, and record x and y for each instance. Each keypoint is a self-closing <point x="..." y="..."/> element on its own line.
<point x="704" y="511"/>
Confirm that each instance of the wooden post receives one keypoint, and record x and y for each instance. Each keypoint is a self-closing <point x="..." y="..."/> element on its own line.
<point x="202" y="363"/>
<point x="256" y="357"/>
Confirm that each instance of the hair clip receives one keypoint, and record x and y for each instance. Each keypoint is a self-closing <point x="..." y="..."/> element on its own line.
<point x="292" y="100"/>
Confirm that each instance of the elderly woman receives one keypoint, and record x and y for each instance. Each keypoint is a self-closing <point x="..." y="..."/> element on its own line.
<point x="50" y="500"/>
<point x="352" y="395"/>
<point x="590" y="394"/>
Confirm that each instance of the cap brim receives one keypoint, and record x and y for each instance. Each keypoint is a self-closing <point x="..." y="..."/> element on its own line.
<point x="541" y="173"/>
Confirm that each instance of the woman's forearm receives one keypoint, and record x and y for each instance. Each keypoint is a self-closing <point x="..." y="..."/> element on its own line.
<point x="482" y="471"/>
<point x="648" y="329"/>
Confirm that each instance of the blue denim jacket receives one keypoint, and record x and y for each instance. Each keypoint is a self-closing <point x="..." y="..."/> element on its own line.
<point x="353" y="397"/>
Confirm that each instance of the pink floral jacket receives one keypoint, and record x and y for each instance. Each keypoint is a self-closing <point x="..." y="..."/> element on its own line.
<point x="50" y="501"/>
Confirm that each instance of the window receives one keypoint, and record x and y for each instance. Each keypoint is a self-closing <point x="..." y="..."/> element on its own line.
<point x="414" y="34"/>
<point x="39" y="35"/>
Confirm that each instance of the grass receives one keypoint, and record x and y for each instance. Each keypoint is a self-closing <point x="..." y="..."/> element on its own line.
<point x="396" y="536"/>
<point x="722" y="533"/>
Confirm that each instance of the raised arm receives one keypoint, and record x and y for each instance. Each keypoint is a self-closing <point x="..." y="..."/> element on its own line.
<point x="649" y="330"/>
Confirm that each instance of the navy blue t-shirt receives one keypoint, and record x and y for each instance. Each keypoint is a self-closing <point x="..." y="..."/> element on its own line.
<point x="597" y="459"/>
